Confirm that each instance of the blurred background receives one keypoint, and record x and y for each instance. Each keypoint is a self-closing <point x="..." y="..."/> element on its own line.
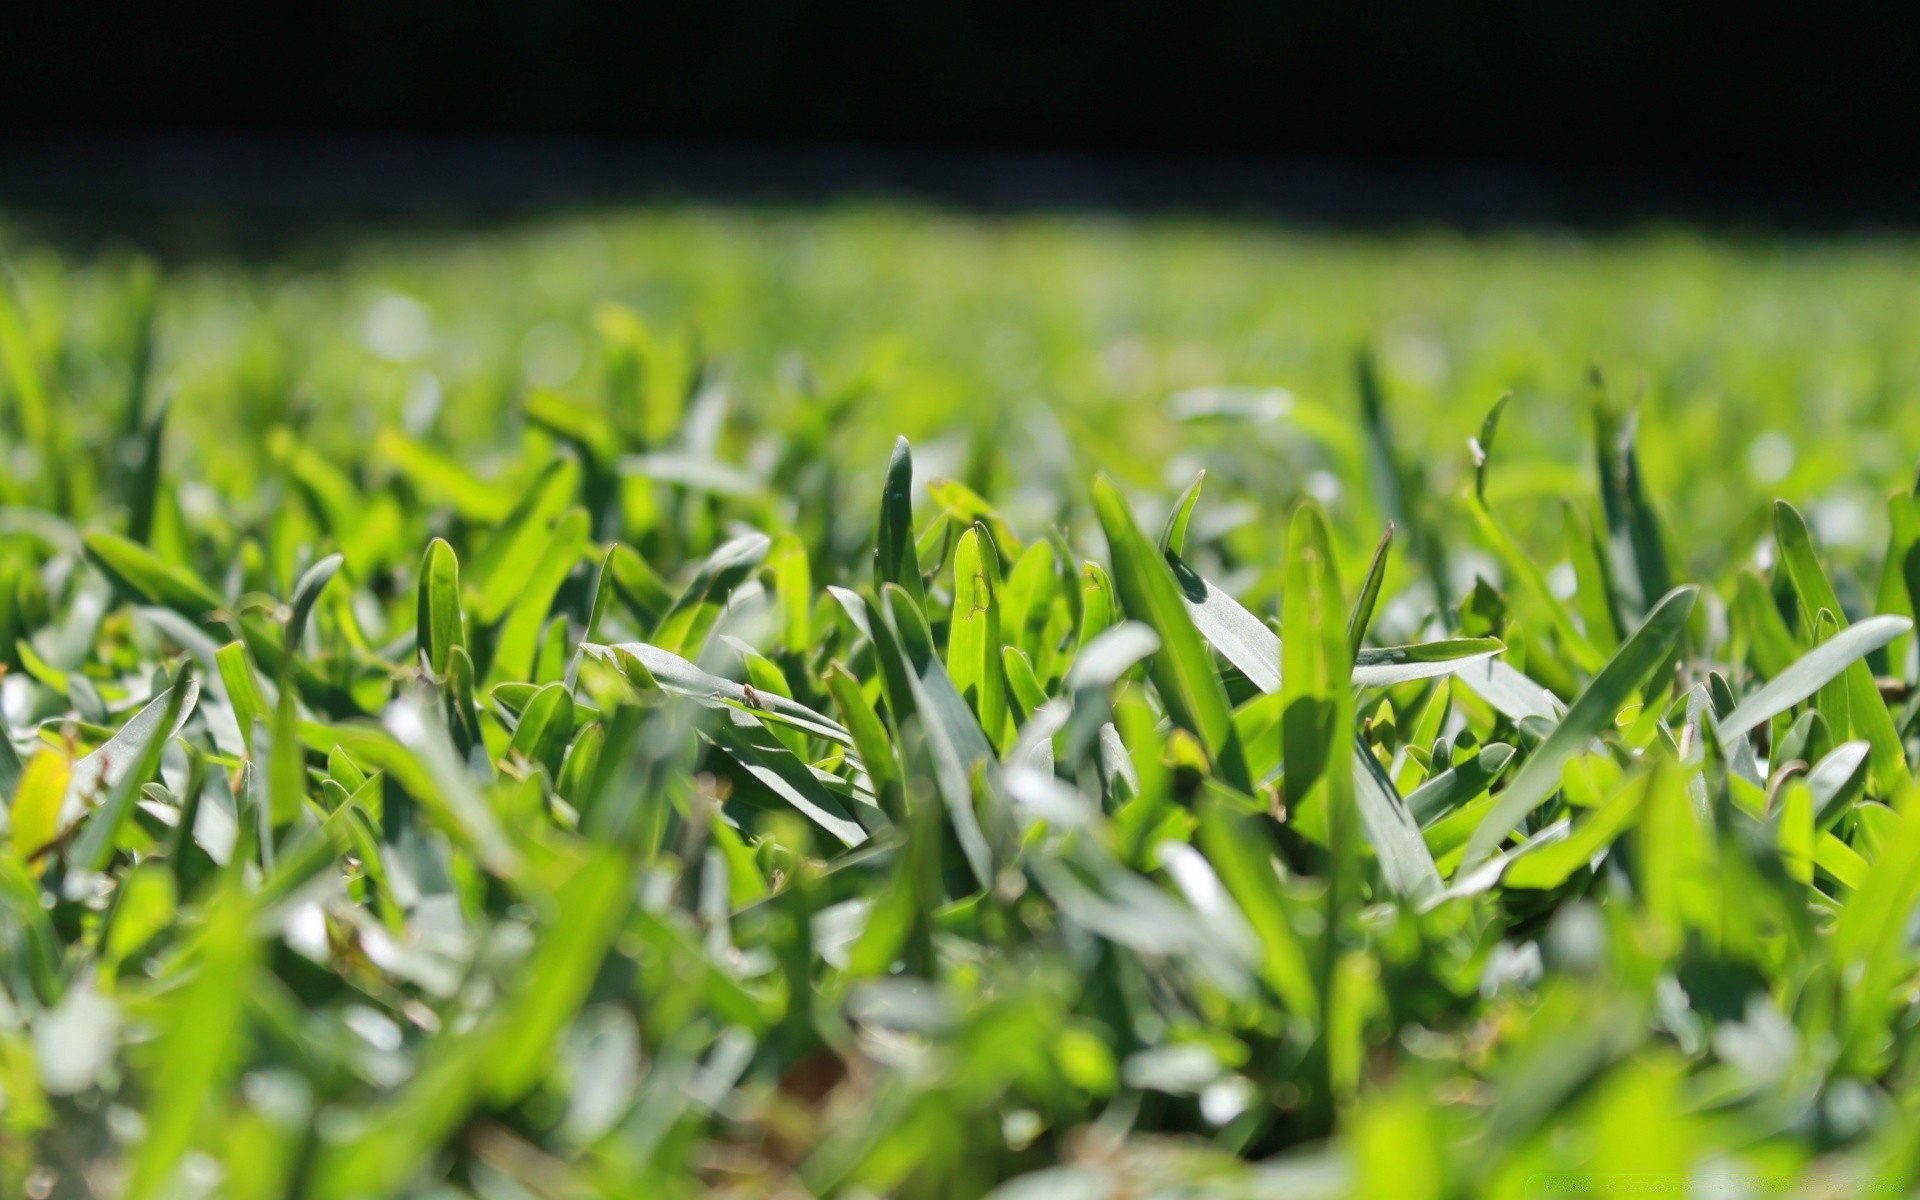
<point x="1468" y="112"/>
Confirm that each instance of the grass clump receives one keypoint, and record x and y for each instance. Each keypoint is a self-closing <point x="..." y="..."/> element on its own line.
<point x="593" y="783"/>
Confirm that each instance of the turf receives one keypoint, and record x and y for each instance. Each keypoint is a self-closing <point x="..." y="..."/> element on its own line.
<point x="875" y="701"/>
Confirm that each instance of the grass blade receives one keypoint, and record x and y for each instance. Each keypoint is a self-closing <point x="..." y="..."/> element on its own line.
<point x="1867" y="712"/>
<point x="894" y="558"/>
<point x="1811" y="672"/>
<point x="441" y="626"/>
<point x="1183" y="668"/>
<point x="1591" y="713"/>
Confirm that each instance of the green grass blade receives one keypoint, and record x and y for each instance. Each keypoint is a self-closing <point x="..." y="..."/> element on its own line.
<point x="1811" y="672"/>
<point x="1362" y="618"/>
<point x="1592" y="712"/>
<point x="1868" y="714"/>
<point x="138" y="572"/>
<point x="441" y="625"/>
<point x="519" y="638"/>
<point x="1183" y="668"/>
<point x="1173" y="535"/>
<point x="306" y="593"/>
<point x="974" y="641"/>
<point x="1455" y="786"/>
<point x="1405" y="862"/>
<point x="894" y="558"/>
<point x="684" y="628"/>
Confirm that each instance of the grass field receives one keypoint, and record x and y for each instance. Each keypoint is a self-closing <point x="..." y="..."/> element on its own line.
<point x="502" y="713"/>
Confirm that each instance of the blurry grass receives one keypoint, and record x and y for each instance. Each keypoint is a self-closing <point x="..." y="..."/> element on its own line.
<point x="1776" y="357"/>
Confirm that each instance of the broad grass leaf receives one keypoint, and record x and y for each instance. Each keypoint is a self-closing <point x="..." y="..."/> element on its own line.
<point x="1242" y="854"/>
<point x="139" y="573"/>
<point x="1099" y="607"/>
<point x="1898" y="569"/>
<point x="1316" y="697"/>
<point x="1448" y="789"/>
<point x="576" y="423"/>
<point x="1241" y="638"/>
<point x="765" y="762"/>
<point x="1399" y="485"/>
<point x="1811" y="672"/>
<point x="684" y="628"/>
<point x="545" y="728"/>
<point x="793" y="592"/>
<point x="1510" y="692"/>
<point x="1405" y="862"/>
<point x="1027" y="604"/>
<point x="1173" y="535"/>
<point x="34" y="815"/>
<point x="1386" y="666"/>
<point x="1868" y="714"/>
<point x="1771" y="647"/>
<point x="877" y="754"/>
<point x="111" y="776"/>
<point x="1101" y="664"/>
<point x="441" y="625"/>
<point x="1026" y="695"/>
<point x="144" y="905"/>
<point x="1870" y="946"/>
<point x="306" y="593"/>
<point x="580" y="764"/>
<point x="286" y="764"/>
<point x="1552" y="865"/>
<point x="1369" y="598"/>
<point x="143" y="486"/>
<point x="25" y="371"/>
<point x="507" y="1054"/>
<point x="955" y="741"/>
<point x="244" y="691"/>
<point x="1245" y="641"/>
<point x="1837" y="780"/>
<point x="415" y="752"/>
<point x="519" y="637"/>
<point x="1794" y="829"/>
<point x="1592" y="712"/>
<point x="1525" y="571"/>
<point x="1596" y="595"/>
<point x="1183" y="668"/>
<point x="506" y="560"/>
<point x="1108" y="657"/>
<point x="1631" y="519"/>
<point x="439" y="478"/>
<point x="962" y="505"/>
<point x="974" y="639"/>
<point x="637" y="585"/>
<point x="894" y="557"/>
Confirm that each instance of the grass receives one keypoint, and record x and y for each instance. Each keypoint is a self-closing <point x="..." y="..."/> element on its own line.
<point x="510" y="714"/>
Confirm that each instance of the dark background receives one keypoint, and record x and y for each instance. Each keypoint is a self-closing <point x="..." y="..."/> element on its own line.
<point x="1773" y="108"/>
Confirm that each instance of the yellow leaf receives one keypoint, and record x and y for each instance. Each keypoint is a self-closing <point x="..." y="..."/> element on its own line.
<point x="36" y="803"/>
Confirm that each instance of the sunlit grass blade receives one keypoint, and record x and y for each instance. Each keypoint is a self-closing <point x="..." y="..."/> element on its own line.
<point x="1591" y="712"/>
<point x="1364" y="604"/>
<point x="1183" y="668"/>
<point x="1811" y="672"/>
<point x="1867" y="712"/>
<point x="894" y="560"/>
<point x="138" y="572"/>
<point x="441" y="625"/>
<point x="974" y="641"/>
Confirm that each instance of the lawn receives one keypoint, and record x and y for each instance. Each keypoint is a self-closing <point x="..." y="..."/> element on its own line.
<point x="876" y="701"/>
